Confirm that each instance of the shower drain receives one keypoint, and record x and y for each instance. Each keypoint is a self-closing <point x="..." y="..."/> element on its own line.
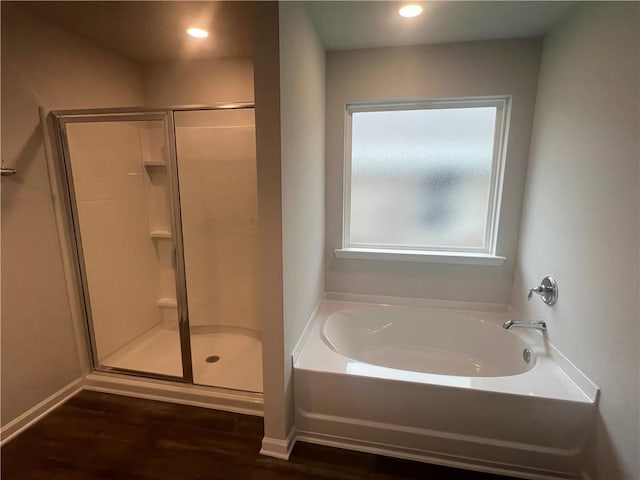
<point x="212" y="359"/>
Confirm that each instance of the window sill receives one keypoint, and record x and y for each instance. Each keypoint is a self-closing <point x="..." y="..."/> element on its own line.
<point x="457" y="258"/>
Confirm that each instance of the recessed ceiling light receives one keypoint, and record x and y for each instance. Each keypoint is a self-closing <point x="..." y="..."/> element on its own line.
<point x="410" y="11"/>
<point x="197" y="32"/>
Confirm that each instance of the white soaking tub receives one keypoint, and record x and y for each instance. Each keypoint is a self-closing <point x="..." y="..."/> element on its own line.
<point x="442" y="386"/>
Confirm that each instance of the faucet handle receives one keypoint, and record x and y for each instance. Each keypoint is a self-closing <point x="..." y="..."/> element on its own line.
<point x="539" y="290"/>
<point x="548" y="290"/>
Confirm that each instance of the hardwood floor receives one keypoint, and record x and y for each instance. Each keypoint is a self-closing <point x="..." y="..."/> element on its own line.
<point x="101" y="436"/>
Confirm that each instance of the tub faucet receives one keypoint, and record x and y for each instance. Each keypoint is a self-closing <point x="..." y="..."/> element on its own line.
<point x="541" y="325"/>
<point x="548" y="290"/>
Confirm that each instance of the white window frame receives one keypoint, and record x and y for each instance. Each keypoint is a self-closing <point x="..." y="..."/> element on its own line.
<point x="485" y="255"/>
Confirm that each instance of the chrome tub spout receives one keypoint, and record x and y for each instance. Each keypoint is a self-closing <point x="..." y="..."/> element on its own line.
<point x="541" y="325"/>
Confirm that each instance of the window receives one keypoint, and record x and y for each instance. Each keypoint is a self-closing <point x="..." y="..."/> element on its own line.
<point x="423" y="179"/>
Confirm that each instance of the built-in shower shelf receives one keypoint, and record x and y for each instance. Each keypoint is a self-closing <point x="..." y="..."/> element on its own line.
<point x="160" y="234"/>
<point x="154" y="164"/>
<point x="167" y="303"/>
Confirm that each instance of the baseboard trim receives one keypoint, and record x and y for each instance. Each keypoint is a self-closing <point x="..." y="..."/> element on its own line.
<point x="276" y="448"/>
<point x="31" y="416"/>
<point x="183" y="394"/>
<point x="429" y="457"/>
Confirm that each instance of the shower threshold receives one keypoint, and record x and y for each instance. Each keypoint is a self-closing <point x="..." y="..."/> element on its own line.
<point x="239" y="366"/>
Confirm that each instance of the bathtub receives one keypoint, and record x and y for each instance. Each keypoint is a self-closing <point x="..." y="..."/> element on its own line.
<point x="443" y="386"/>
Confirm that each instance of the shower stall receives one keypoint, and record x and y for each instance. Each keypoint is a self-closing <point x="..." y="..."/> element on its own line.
<point x="163" y="206"/>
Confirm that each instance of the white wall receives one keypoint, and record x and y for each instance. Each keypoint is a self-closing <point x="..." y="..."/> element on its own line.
<point x="289" y="87"/>
<point x="580" y="220"/>
<point x="198" y="82"/>
<point x="42" y="65"/>
<point x="267" y="93"/>
<point x="506" y="67"/>
<point x="302" y="119"/>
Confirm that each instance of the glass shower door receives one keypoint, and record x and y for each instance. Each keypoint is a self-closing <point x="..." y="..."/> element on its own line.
<point x="216" y="156"/>
<point x="118" y="169"/>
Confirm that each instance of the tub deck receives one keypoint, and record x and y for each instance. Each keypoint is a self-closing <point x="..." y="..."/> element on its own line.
<point x="530" y="425"/>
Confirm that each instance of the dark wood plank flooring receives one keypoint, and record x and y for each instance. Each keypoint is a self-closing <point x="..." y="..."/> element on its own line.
<point x="101" y="436"/>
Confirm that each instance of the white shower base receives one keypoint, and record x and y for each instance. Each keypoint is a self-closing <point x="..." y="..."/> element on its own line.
<point x="158" y="351"/>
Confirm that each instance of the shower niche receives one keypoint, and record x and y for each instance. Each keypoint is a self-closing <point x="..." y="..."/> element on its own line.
<point x="154" y="155"/>
<point x="163" y="206"/>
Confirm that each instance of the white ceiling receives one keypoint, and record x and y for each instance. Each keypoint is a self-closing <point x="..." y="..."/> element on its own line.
<point x="344" y="25"/>
<point x="154" y="31"/>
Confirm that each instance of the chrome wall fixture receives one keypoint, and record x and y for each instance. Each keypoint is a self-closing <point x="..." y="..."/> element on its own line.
<point x="548" y="290"/>
<point x="538" y="325"/>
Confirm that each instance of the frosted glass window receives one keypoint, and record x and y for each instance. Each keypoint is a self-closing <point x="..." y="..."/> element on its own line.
<point x="424" y="178"/>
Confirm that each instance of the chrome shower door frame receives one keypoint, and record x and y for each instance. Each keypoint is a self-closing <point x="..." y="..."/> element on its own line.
<point x="61" y="120"/>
